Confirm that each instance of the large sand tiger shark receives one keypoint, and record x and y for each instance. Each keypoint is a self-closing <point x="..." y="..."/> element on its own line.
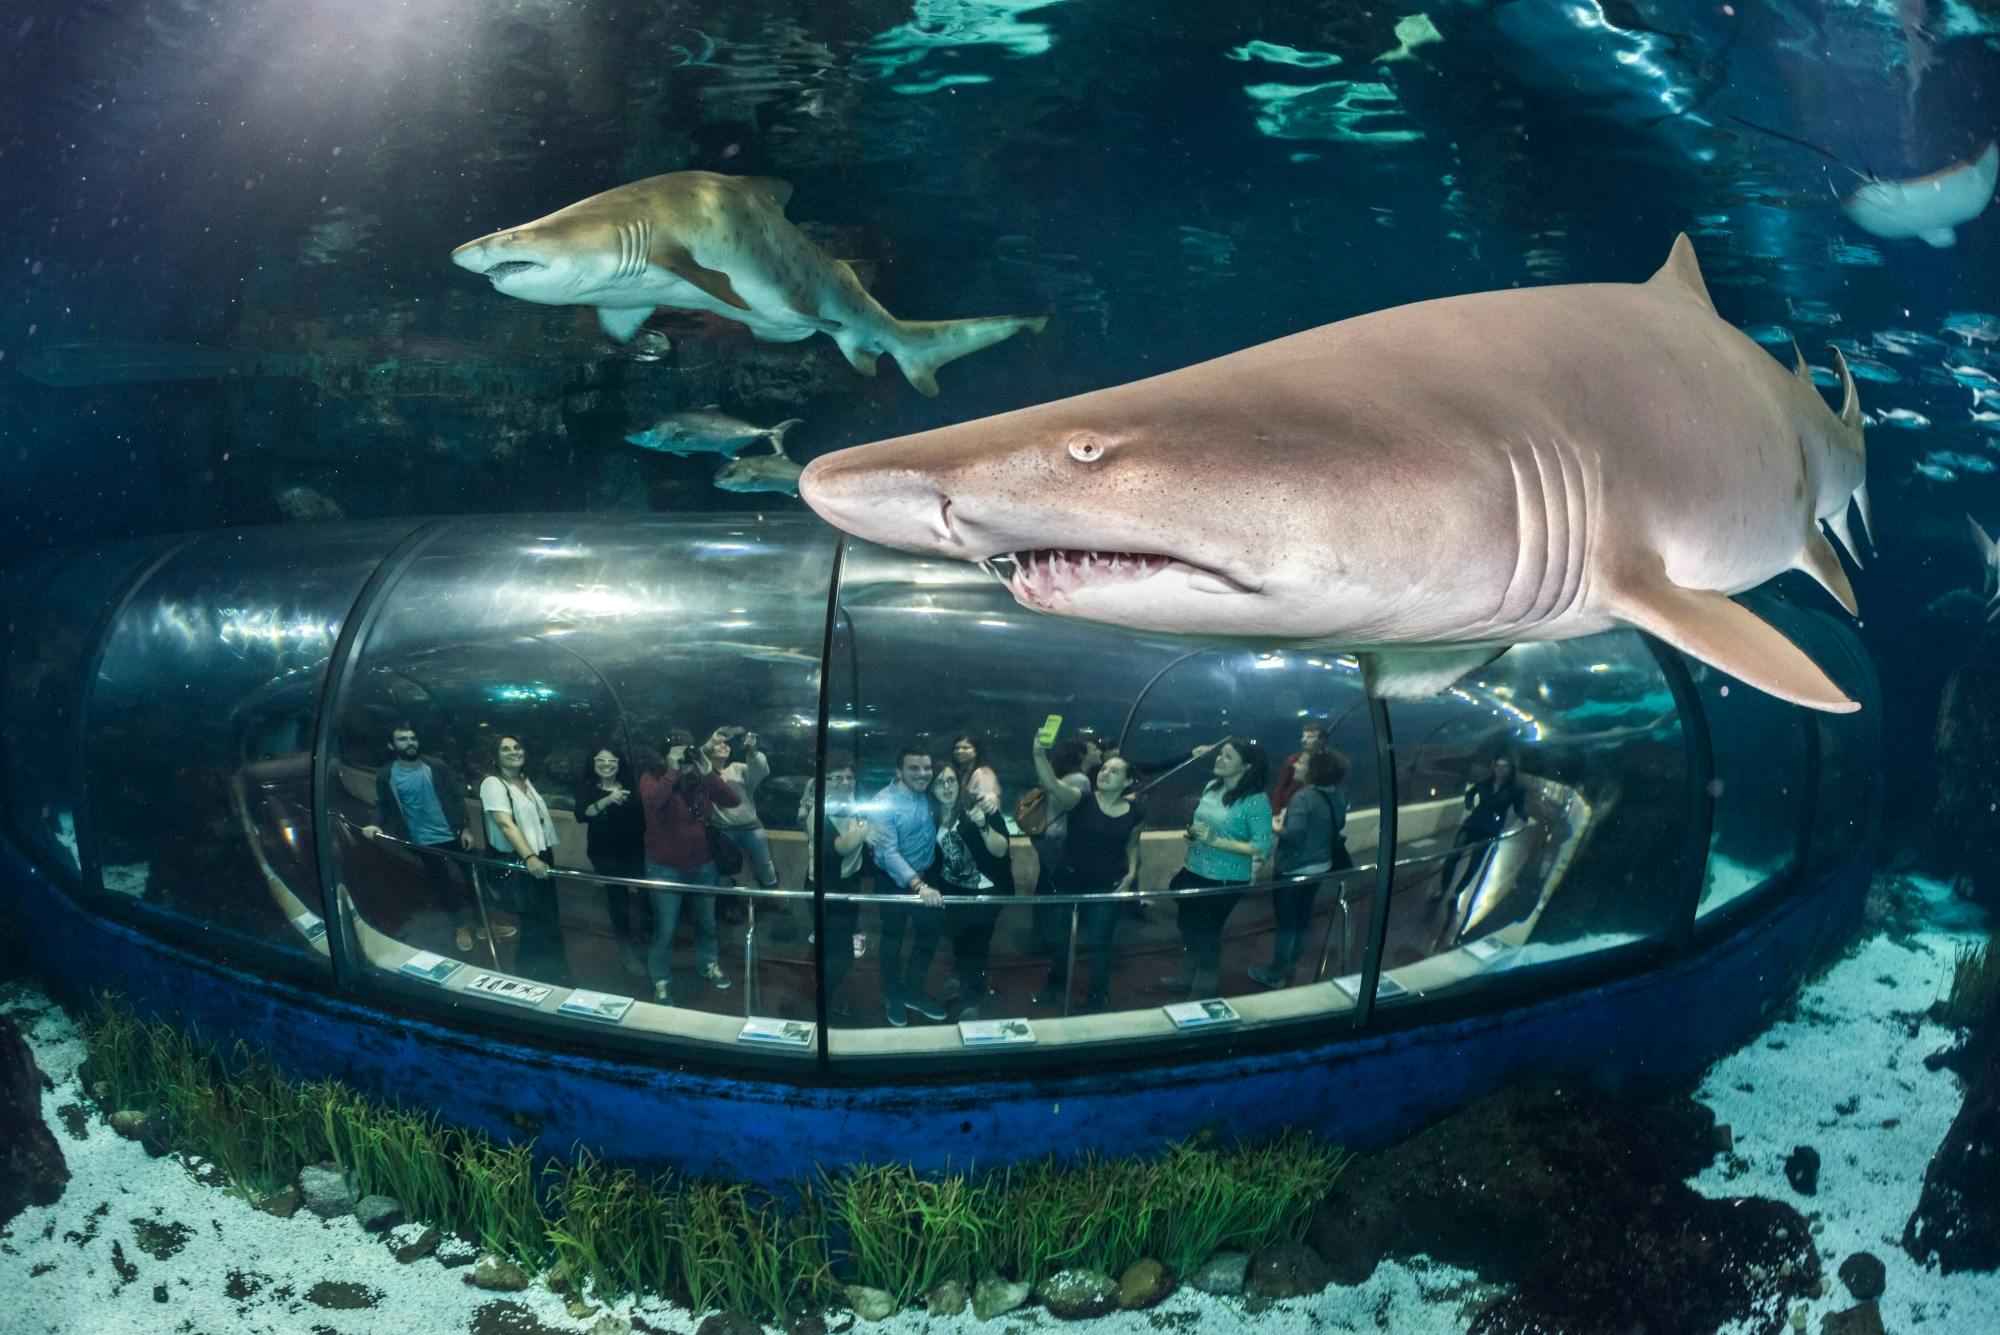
<point x="1425" y="486"/>
<point x="705" y="242"/>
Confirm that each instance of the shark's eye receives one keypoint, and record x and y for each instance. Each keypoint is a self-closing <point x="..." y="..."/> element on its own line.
<point x="1086" y="448"/>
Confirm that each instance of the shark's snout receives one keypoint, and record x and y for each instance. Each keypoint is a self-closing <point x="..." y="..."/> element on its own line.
<point x="895" y="505"/>
<point x="494" y="256"/>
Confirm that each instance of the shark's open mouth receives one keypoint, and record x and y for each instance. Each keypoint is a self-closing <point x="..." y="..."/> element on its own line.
<point x="1040" y="576"/>
<point x="505" y="267"/>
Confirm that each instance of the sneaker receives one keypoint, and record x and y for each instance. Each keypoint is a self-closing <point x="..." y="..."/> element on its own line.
<point x="925" y="1007"/>
<point x="969" y="1013"/>
<point x="663" y="992"/>
<point x="716" y="977"/>
<point x="463" y="940"/>
<point x="1270" y="977"/>
<point x="892" y="1011"/>
<point x="1177" y="982"/>
<point x="951" y="990"/>
<point x="860" y="945"/>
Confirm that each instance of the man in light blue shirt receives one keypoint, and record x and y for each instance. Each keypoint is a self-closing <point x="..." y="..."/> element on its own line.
<point x="905" y="847"/>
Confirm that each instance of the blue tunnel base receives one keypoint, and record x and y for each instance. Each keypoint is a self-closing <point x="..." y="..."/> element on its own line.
<point x="1645" y="1032"/>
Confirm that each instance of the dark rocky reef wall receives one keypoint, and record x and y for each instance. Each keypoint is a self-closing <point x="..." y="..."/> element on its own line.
<point x="32" y="1171"/>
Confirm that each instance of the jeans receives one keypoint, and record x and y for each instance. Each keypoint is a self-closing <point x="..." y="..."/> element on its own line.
<point x="843" y="921"/>
<point x="1099" y="921"/>
<point x="756" y="848"/>
<point x="1466" y="837"/>
<point x="924" y="925"/>
<point x="667" y="917"/>
<point x="1201" y="924"/>
<point x="1292" y="910"/>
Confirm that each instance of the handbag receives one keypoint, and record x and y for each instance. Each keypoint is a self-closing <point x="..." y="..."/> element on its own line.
<point x="724" y="853"/>
<point x="507" y="886"/>
<point x="1031" y="813"/>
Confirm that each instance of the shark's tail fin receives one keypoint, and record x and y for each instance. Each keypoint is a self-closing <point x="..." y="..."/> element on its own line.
<point x="921" y="346"/>
<point x="777" y="433"/>
<point x="1989" y="560"/>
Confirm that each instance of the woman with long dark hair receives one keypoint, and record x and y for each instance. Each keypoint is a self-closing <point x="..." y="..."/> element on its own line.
<point x="973" y="859"/>
<point x="520" y="832"/>
<point x="1229" y="835"/>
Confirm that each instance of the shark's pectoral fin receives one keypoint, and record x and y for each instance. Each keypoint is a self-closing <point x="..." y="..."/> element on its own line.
<point x="1418" y="674"/>
<point x="622" y="322"/>
<point x="1944" y="238"/>
<point x="1706" y="625"/>
<point x="861" y="271"/>
<point x="712" y="281"/>
<point x="1818" y="559"/>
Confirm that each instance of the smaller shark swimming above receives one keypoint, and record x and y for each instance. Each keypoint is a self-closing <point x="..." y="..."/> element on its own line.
<point x="709" y="431"/>
<point x="1425" y="486"/>
<point x="1931" y="207"/>
<point x="702" y="241"/>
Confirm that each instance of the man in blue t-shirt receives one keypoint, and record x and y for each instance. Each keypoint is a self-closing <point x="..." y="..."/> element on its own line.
<point x="419" y="799"/>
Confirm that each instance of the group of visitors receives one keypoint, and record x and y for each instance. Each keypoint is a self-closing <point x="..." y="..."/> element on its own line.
<point x="935" y="834"/>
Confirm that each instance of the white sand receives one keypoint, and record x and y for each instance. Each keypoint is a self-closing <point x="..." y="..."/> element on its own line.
<point x="1848" y="1039"/>
<point x="1857" y="1038"/>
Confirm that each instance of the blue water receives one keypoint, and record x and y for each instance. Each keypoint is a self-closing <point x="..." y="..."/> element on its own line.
<point x="1169" y="183"/>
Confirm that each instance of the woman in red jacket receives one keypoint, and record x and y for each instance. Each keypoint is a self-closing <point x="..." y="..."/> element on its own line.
<point x="676" y="800"/>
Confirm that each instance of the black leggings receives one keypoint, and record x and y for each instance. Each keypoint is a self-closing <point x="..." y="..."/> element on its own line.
<point x="971" y="927"/>
<point x="1201" y="920"/>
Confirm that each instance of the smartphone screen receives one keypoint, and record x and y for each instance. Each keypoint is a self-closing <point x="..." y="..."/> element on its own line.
<point x="1050" y="727"/>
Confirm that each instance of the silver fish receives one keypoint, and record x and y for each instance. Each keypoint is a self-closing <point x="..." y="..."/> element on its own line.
<point x="708" y="431"/>
<point x="760" y="472"/>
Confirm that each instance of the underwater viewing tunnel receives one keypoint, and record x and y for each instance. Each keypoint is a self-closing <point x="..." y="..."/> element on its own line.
<point x="197" y="760"/>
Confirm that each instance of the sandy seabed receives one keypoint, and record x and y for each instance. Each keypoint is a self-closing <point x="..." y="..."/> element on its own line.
<point x="1842" y="1071"/>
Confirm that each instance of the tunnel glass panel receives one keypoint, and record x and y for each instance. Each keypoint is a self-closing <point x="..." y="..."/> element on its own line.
<point x="574" y="637"/>
<point x="47" y="658"/>
<point x="201" y="730"/>
<point x="1494" y="881"/>
<point x="1760" y="786"/>
<point x="1849" y="780"/>
<point x="925" y="651"/>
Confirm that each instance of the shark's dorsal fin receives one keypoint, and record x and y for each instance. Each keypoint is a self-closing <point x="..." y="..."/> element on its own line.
<point x="1681" y="271"/>
<point x="681" y="262"/>
<point x="1706" y="625"/>
<point x="1850" y="398"/>
<point x="862" y="271"/>
<point x="778" y="191"/>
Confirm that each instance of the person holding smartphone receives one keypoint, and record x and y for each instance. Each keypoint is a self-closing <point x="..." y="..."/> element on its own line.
<point x="677" y="801"/>
<point x="741" y="822"/>
<point x="973" y="859"/>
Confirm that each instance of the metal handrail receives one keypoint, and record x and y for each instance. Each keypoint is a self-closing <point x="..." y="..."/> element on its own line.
<point x="845" y="897"/>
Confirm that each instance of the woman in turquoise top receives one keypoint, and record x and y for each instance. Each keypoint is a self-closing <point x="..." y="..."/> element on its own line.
<point x="1230" y="833"/>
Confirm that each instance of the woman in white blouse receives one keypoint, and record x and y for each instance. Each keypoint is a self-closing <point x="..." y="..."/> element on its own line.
<point x="519" y="831"/>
